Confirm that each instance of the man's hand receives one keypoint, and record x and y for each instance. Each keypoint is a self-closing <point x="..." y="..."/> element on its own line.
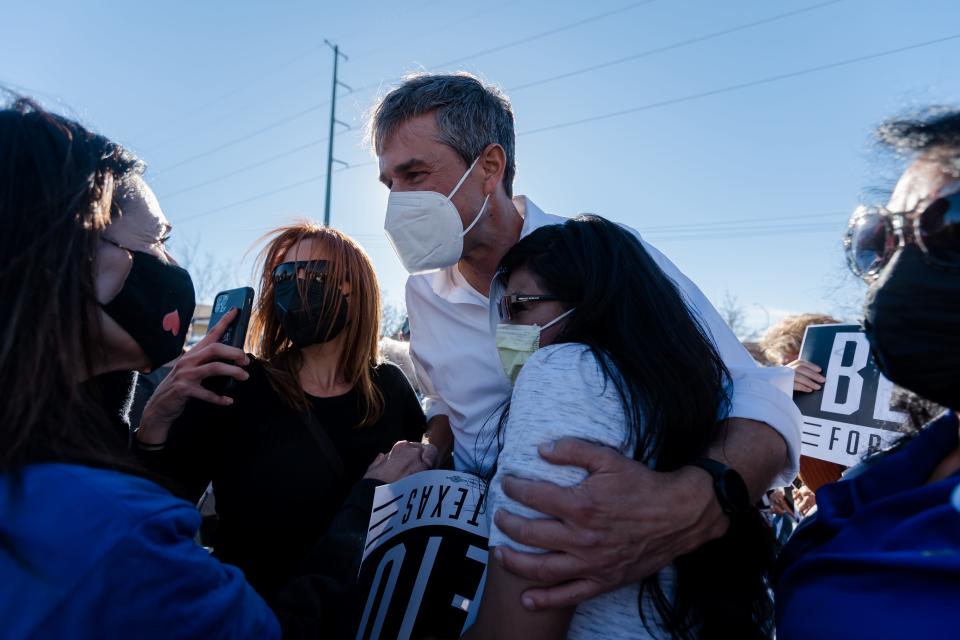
<point x="623" y="523"/>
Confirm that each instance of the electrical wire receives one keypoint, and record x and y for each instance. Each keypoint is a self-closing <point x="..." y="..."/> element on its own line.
<point x="374" y="85"/>
<point x="739" y="86"/>
<point x="670" y="47"/>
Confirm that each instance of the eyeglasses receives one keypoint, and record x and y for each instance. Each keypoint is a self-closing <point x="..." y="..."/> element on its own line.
<point x="875" y="234"/>
<point x="507" y="305"/>
<point x="315" y="270"/>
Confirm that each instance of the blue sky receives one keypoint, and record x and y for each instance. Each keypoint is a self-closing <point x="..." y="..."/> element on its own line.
<point x="745" y="179"/>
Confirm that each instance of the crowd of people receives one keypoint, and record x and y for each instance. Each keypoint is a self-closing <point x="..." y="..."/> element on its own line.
<point x="627" y="438"/>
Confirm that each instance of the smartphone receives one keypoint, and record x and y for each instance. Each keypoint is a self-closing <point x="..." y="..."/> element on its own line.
<point x="236" y="333"/>
<point x="242" y="299"/>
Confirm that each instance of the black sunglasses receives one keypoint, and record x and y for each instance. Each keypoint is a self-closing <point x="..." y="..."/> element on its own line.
<point x="313" y="270"/>
<point x="875" y="234"/>
<point x="507" y="305"/>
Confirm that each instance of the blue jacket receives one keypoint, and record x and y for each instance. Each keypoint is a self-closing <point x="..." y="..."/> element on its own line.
<point x="881" y="558"/>
<point x="91" y="553"/>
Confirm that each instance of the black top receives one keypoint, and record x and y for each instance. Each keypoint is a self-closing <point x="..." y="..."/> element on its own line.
<point x="276" y="493"/>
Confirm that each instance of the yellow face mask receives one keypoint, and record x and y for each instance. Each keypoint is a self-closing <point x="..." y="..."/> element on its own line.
<point x="517" y="342"/>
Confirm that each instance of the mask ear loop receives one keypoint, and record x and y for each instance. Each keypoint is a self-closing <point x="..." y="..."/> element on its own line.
<point x="457" y="188"/>
<point x="558" y="318"/>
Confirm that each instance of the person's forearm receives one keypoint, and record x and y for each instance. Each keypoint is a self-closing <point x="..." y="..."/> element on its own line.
<point x="754" y="449"/>
<point x="440" y="435"/>
<point x="152" y="431"/>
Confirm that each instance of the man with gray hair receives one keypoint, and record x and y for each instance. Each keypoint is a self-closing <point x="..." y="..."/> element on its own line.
<point x="445" y="145"/>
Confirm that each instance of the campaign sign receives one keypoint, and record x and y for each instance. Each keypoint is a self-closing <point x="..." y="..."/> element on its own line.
<point x="425" y="560"/>
<point x="851" y="413"/>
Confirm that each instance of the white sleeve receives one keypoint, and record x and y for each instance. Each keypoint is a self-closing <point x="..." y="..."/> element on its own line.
<point x="560" y="392"/>
<point x="764" y="394"/>
<point x="417" y="313"/>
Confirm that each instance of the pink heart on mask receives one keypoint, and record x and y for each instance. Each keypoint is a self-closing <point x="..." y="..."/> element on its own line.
<point x="171" y="323"/>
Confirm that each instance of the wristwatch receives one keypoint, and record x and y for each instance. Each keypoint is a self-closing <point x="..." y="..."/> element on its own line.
<point x="731" y="490"/>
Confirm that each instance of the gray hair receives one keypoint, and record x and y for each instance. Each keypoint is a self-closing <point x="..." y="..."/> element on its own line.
<point x="469" y="113"/>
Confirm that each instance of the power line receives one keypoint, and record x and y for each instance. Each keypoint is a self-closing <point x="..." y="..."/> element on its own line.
<point x="659" y="104"/>
<point x="642" y="54"/>
<point x="672" y="46"/>
<point x="252" y="198"/>
<point x="373" y="85"/>
<point x="737" y="87"/>
<point x="544" y="34"/>
<point x="706" y="226"/>
<point x="675" y="101"/>
<point x="266" y="194"/>
<point x="239" y="139"/>
<point x="269" y="73"/>
<point x="757" y="233"/>
<point x="243" y="169"/>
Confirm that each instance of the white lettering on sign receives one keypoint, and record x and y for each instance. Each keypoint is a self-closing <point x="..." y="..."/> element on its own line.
<point x="881" y="409"/>
<point x="840" y="442"/>
<point x="836" y="370"/>
<point x="392" y="558"/>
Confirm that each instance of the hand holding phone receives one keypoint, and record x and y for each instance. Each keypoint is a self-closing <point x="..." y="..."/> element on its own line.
<point x="209" y="359"/>
<point x="236" y="332"/>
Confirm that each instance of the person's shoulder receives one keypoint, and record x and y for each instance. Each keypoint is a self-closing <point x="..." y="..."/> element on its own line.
<point x="106" y="493"/>
<point x="68" y="516"/>
<point x="569" y="359"/>
<point x="389" y="376"/>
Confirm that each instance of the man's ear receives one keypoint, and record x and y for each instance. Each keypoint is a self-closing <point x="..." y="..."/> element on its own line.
<point x="493" y="163"/>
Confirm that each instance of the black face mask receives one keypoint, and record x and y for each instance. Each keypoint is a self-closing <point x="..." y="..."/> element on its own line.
<point x="912" y="317"/>
<point x="155" y="306"/>
<point x="307" y="320"/>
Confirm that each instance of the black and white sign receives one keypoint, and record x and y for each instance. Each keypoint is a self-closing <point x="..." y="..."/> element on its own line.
<point x="425" y="561"/>
<point x="851" y="413"/>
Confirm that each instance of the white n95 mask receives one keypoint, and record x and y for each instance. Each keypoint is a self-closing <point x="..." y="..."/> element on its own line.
<point x="517" y="342"/>
<point x="425" y="229"/>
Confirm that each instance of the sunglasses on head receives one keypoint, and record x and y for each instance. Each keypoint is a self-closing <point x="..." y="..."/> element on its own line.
<point x="311" y="270"/>
<point x="875" y="234"/>
<point x="508" y="306"/>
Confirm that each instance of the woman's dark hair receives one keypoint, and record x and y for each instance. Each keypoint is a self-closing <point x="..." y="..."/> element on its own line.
<point x="56" y="197"/>
<point x="673" y="385"/>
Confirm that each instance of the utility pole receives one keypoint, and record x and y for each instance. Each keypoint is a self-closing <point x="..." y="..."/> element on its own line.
<point x="333" y="122"/>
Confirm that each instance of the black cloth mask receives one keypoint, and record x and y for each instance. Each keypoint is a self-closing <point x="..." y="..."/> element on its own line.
<point x="307" y="319"/>
<point x="155" y="307"/>
<point x="911" y="318"/>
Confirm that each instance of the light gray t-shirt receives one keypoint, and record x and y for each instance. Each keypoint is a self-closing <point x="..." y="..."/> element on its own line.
<point x="561" y="391"/>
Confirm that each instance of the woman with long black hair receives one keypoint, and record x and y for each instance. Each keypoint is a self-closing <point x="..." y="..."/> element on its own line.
<point x="602" y="346"/>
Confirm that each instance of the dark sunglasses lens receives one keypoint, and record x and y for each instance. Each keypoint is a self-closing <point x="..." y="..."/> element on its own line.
<point x="870" y="243"/>
<point x="939" y="228"/>
<point x="284" y="271"/>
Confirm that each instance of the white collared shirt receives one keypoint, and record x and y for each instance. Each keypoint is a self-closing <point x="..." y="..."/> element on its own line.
<point x="455" y="357"/>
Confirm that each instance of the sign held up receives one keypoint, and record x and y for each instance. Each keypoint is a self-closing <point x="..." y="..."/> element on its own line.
<point x="850" y="415"/>
<point x="425" y="560"/>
